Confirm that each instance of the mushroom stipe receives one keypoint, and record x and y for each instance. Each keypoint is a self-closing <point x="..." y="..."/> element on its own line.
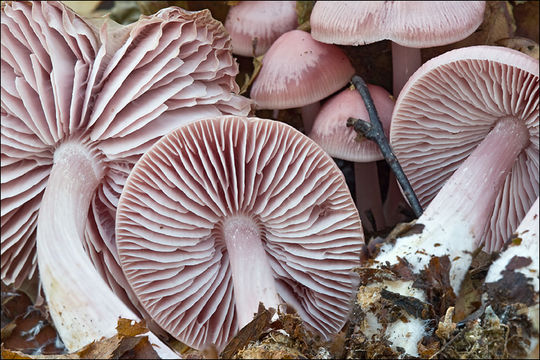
<point x="374" y="131"/>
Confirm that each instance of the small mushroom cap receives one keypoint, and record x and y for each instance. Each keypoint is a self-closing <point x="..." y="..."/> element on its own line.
<point x="445" y="110"/>
<point x="264" y="21"/>
<point x="330" y="130"/>
<point x="416" y="24"/>
<point x="170" y="233"/>
<point x="298" y="71"/>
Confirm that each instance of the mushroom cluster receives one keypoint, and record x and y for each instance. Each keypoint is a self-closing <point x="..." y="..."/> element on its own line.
<point x="81" y="101"/>
<point x="141" y="185"/>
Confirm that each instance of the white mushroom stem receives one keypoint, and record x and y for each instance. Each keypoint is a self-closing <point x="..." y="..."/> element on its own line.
<point x="82" y="306"/>
<point x="368" y="195"/>
<point x="405" y="61"/>
<point x="456" y="218"/>
<point x="252" y="275"/>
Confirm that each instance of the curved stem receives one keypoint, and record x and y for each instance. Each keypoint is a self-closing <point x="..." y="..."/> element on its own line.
<point x="459" y="213"/>
<point x="82" y="306"/>
<point x="252" y="276"/>
<point x="373" y="130"/>
<point x="451" y="226"/>
<point x="405" y="61"/>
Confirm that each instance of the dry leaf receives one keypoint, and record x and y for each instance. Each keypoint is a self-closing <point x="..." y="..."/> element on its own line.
<point x="303" y="10"/>
<point x="525" y="45"/>
<point x="251" y="332"/>
<point x="124" y="345"/>
<point x="127" y="327"/>
<point x="84" y="8"/>
<point x="527" y="16"/>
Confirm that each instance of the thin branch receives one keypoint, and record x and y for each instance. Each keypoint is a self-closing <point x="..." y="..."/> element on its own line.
<point x="374" y="131"/>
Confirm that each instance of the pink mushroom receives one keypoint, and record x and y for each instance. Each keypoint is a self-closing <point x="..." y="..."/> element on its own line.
<point x="298" y="71"/>
<point x="330" y="131"/>
<point x="426" y="267"/>
<point x="255" y="25"/>
<point x="223" y="213"/>
<point x="449" y="107"/>
<point x="80" y="104"/>
<point x="410" y="25"/>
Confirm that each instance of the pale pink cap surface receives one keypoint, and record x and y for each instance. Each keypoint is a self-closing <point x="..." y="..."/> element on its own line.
<point x="417" y="24"/>
<point x="447" y="108"/>
<point x="261" y="20"/>
<point x="298" y="71"/>
<point x="338" y="140"/>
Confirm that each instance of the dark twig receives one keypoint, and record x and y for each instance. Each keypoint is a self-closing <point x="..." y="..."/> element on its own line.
<point x="373" y="130"/>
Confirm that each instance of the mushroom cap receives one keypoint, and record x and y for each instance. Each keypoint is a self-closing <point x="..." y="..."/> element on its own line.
<point x="64" y="79"/>
<point x="445" y="110"/>
<point x="263" y="20"/>
<point x="170" y="233"/>
<point x="330" y="130"/>
<point x="297" y="71"/>
<point x="416" y="24"/>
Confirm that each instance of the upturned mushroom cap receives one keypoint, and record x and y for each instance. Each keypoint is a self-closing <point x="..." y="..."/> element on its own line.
<point x="416" y="24"/>
<point x="188" y="199"/>
<point x="107" y="93"/>
<point x="129" y="100"/>
<point x="330" y="130"/>
<point x="297" y="71"/>
<point x="260" y="21"/>
<point x="198" y="81"/>
<point x="448" y="107"/>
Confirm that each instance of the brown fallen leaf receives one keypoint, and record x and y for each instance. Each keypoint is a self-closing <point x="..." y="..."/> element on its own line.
<point x="127" y="344"/>
<point x="251" y="332"/>
<point x="26" y="327"/>
<point x="527" y="16"/>
<point x="85" y="8"/>
<point x="525" y="45"/>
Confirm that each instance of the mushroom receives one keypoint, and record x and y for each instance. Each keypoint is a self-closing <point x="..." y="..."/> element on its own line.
<point x="226" y="212"/>
<point x="78" y="101"/>
<point x="422" y="272"/>
<point x="410" y="25"/>
<point x="425" y="266"/>
<point x="255" y="25"/>
<point x="512" y="279"/>
<point x="449" y="106"/>
<point x="298" y="71"/>
<point x="331" y="133"/>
